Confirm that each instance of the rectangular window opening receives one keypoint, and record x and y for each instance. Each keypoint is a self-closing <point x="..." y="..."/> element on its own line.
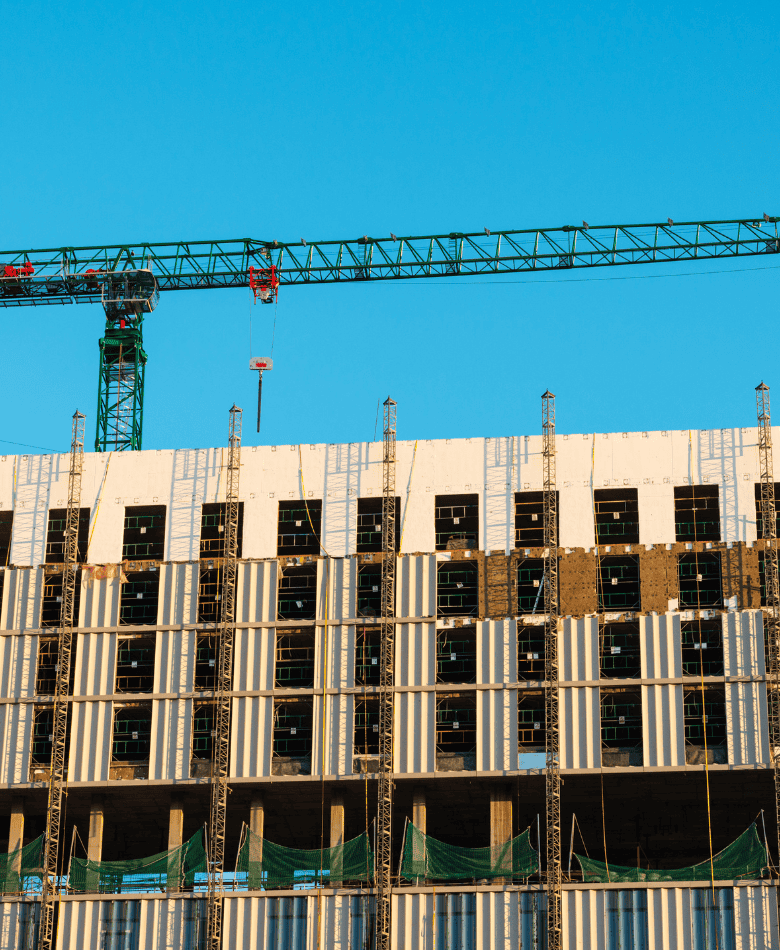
<point x="51" y="603"/>
<point x="702" y="648"/>
<point x="619" y="582"/>
<point x="704" y="717"/>
<point x="212" y="529"/>
<point x="369" y="525"/>
<point x="367" y="655"/>
<point x="47" y="665"/>
<point x="294" y="659"/>
<point x="529" y="519"/>
<point x="292" y="742"/>
<point x="139" y="599"/>
<point x="457" y="522"/>
<point x="206" y="648"/>
<point x="203" y="735"/>
<point x="530" y="585"/>
<point x="55" y="536"/>
<point x="300" y="527"/>
<point x="297" y="595"/>
<point x="457" y="589"/>
<point x="132" y="735"/>
<point x="369" y="590"/>
<point x="456" y="732"/>
<point x="135" y="665"/>
<point x="759" y="517"/>
<point x="209" y="594"/>
<point x="531" y="729"/>
<point x="6" y="527"/>
<point x="697" y="513"/>
<point x="144" y="533"/>
<point x="530" y="651"/>
<point x="621" y="727"/>
<point x="700" y="580"/>
<point x="456" y="655"/>
<point x="366" y="734"/>
<point x="617" y="515"/>
<point x="619" y="651"/>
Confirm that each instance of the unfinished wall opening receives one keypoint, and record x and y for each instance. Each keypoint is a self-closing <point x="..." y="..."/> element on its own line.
<point x="529" y="519"/>
<point x="530" y="586"/>
<point x="292" y="748"/>
<point x="621" y="727"/>
<point x="702" y="648"/>
<point x="51" y="602"/>
<point x="456" y="732"/>
<point x="697" y="513"/>
<point x="42" y="736"/>
<point x="759" y="519"/>
<point x="203" y="734"/>
<point x="618" y="585"/>
<point x="6" y="526"/>
<point x="700" y="579"/>
<point x="366" y="735"/>
<point x="209" y="593"/>
<point x="300" y="527"/>
<point x="617" y="515"/>
<point x="369" y="590"/>
<point x="297" y="594"/>
<point x="457" y="522"/>
<point x="139" y="599"/>
<point x="530" y="651"/>
<point x="294" y="659"/>
<point x="144" y="533"/>
<point x="456" y="655"/>
<point x="206" y="661"/>
<point x="368" y="641"/>
<point x="47" y="665"/>
<point x="55" y="535"/>
<point x="212" y="529"/>
<point x="369" y="525"/>
<point x="135" y="665"/>
<point x="704" y="712"/>
<point x="619" y="651"/>
<point x="457" y="589"/>
<point x="531" y="729"/>
<point x="132" y="735"/>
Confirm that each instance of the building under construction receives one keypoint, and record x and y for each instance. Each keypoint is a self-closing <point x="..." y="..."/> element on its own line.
<point x="446" y="584"/>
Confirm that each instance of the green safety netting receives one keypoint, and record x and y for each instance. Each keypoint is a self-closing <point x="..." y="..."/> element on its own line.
<point x="744" y="858"/>
<point x="168" y="870"/>
<point x="263" y="864"/>
<point x="21" y="870"/>
<point x="425" y="857"/>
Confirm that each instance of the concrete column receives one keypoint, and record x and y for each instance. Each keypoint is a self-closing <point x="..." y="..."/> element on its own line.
<point x="175" y="841"/>
<point x="15" y="842"/>
<point x="419" y="817"/>
<point x="95" y="840"/>
<point x="501" y="830"/>
<point x="337" y="838"/>
<point x="257" y="827"/>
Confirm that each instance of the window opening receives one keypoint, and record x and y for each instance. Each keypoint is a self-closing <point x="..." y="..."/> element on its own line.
<point x="144" y="533"/>
<point x="618" y="583"/>
<point x="705" y="715"/>
<point x="702" y="648"/>
<point x="457" y="522"/>
<point x="120" y="925"/>
<point x="43" y="735"/>
<point x="205" y="661"/>
<point x="369" y="590"/>
<point x="294" y="659"/>
<point x="293" y="728"/>
<point x="530" y="586"/>
<point x="456" y="731"/>
<point x="617" y="516"/>
<point x="47" y="664"/>
<point x="209" y="594"/>
<point x="529" y="519"/>
<point x="457" y="589"/>
<point x="299" y="528"/>
<point x="531" y="728"/>
<point x="621" y="727"/>
<point x="697" y="513"/>
<point x="212" y="529"/>
<point x="51" y="604"/>
<point x="6" y="526"/>
<point x="367" y="652"/>
<point x="55" y="536"/>
<point x="139" y="599"/>
<point x="759" y="519"/>
<point x="366" y="736"/>
<point x="297" y="597"/>
<point x="287" y="923"/>
<point x="620" y="651"/>
<point x="135" y="665"/>
<point x="203" y="732"/>
<point x="530" y="651"/>
<point x="700" y="583"/>
<point x="456" y="921"/>
<point x="132" y="732"/>
<point x="369" y="525"/>
<point x="456" y="655"/>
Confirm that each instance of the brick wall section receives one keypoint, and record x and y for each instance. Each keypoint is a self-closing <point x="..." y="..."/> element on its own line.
<point x="577" y="583"/>
<point x="498" y="586"/>
<point x="658" y="579"/>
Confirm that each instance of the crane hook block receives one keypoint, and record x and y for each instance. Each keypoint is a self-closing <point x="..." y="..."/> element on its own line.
<point x="264" y="282"/>
<point x="261" y="363"/>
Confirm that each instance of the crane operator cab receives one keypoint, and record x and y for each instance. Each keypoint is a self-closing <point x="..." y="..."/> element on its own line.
<point x="127" y="295"/>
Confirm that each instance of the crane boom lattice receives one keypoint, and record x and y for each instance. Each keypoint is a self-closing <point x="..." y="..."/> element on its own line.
<point x="58" y="775"/>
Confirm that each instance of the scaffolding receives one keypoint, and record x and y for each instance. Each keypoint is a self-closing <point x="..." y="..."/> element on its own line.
<point x="58" y="776"/>
<point x="225" y="631"/>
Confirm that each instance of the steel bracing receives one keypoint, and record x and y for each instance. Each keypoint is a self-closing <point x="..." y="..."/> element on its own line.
<point x="58" y="775"/>
<point x="221" y="746"/>
<point x="384" y="838"/>
<point x="552" y="731"/>
<point x="771" y="583"/>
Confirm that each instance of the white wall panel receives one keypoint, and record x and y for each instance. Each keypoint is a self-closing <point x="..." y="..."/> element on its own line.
<point x="340" y="666"/>
<point x="16" y="727"/>
<point x="497" y="651"/>
<point x="35" y="475"/>
<point x="496" y="729"/>
<point x="580" y="713"/>
<point x="415" y="654"/>
<point x="12" y="926"/>
<point x="18" y="655"/>
<point x="341" y="576"/>
<point x="22" y="595"/>
<point x="663" y="730"/>
<point x="743" y="643"/>
<point x="500" y="475"/>
<point x="79" y="926"/>
<point x="256" y="591"/>
<point x="660" y="646"/>
<point x="174" y="661"/>
<point x="415" y="586"/>
<point x="251" y="736"/>
<point x="412" y="922"/>
<point x="171" y="745"/>
<point x="95" y="664"/>
<point x="99" y="606"/>
<point x="747" y="728"/>
<point x="414" y="728"/>
<point x="342" y="469"/>
<point x="90" y="741"/>
<point x="578" y="648"/>
<point x="253" y="658"/>
<point x="178" y="593"/>
<point x="755" y="918"/>
<point x="338" y="737"/>
<point x="246" y="923"/>
<point x="498" y="920"/>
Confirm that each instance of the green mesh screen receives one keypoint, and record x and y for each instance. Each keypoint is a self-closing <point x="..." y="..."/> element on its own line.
<point x="168" y="870"/>
<point x="263" y="864"/>
<point x="744" y="858"/>
<point x="20" y="870"/>
<point x="425" y="857"/>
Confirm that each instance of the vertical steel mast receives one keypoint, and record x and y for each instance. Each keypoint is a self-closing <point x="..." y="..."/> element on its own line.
<point x="771" y="584"/>
<point x="225" y="630"/>
<point x="384" y="849"/>
<point x="552" y="733"/>
<point x="58" y="775"/>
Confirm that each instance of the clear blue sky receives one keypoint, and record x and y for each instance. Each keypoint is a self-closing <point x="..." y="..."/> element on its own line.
<point x="158" y="121"/>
